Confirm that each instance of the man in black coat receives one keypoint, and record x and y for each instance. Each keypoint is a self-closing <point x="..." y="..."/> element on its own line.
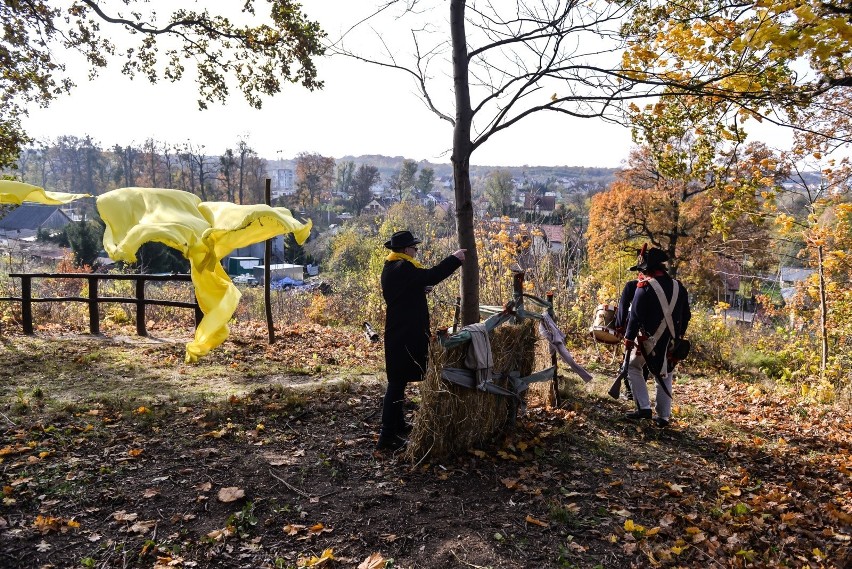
<point x="659" y="314"/>
<point x="405" y="283"/>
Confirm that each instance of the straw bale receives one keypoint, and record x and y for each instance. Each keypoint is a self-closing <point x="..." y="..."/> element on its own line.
<point x="451" y="418"/>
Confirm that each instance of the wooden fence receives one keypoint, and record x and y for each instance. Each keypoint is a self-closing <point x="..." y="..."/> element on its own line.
<point x="94" y="299"/>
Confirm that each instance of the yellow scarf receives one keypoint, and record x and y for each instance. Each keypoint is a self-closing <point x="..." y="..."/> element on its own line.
<point x="394" y="256"/>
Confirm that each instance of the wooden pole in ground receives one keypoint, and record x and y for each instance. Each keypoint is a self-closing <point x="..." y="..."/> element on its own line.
<point x="553" y="360"/>
<point x="267" y="274"/>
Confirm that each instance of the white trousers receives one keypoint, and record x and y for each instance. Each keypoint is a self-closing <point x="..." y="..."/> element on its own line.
<point x="640" y="388"/>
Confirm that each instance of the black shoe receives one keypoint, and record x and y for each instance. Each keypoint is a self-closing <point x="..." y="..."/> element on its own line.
<point x="638" y="414"/>
<point x="392" y="443"/>
<point x="661" y="423"/>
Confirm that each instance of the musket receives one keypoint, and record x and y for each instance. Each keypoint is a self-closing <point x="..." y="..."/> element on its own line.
<point x="369" y="333"/>
<point x="615" y="388"/>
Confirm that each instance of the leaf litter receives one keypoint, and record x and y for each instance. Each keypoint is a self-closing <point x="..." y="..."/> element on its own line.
<point x="273" y="476"/>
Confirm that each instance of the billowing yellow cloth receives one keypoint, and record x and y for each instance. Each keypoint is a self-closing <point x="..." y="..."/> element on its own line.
<point x="19" y="192"/>
<point x="204" y="232"/>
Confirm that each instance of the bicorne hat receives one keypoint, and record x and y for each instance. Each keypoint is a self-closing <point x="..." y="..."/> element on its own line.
<point x="401" y="240"/>
<point x="650" y="259"/>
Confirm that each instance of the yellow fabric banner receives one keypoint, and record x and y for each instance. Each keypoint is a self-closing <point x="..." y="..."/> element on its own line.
<point x="205" y="232"/>
<point x="12" y="192"/>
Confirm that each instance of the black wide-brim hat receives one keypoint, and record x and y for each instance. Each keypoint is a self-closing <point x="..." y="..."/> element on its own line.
<point x="401" y="240"/>
<point x="653" y="258"/>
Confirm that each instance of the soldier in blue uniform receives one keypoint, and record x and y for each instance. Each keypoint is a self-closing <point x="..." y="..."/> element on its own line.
<point x="659" y="314"/>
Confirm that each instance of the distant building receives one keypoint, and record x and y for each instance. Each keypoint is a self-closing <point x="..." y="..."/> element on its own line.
<point x="538" y="204"/>
<point x="550" y="238"/>
<point x="374" y="208"/>
<point x="27" y="219"/>
<point x="282" y="182"/>
<point x="789" y="277"/>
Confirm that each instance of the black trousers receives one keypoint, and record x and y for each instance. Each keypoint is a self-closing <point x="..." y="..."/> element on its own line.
<point x="393" y="413"/>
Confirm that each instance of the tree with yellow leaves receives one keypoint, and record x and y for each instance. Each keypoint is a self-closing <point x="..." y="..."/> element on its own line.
<point x="676" y="179"/>
<point x="484" y="68"/>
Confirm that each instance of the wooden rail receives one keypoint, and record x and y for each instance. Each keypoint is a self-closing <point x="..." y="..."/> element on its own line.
<point x="94" y="299"/>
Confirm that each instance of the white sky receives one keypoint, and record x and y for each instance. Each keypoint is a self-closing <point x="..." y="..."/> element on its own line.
<point x="363" y="109"/>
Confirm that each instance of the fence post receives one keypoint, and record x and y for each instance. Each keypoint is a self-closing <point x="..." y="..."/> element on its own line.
<point x="140" y="307"/>
<point x="27" y="304"/>
<point x="553" y="360"/>
<point x="518" y="291"/>
<point x="456" y="315"/>
<point x="267" y="274"/>
<point x="94" y="320"/>
<point x="199" y="314"/>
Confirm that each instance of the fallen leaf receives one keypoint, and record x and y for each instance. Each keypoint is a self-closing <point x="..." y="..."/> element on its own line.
<point x="318" y="528"/>
<point x="314" y="561"/>
<point x="43" y="546"/>
<point x="167" y="562"/>
<point x="135" y="452"/>
<point x="122" y="516"/>
<point x="230" y="494"/>
<point x="278" y="459"/>
<point x="46" y="524"/>
<point x="532" y="520"/>
<point x="374" y="561"/>
<point x="293" y="529"/>
<point x="220" y="534"/>
<point x="150" y="493"/>
<point x="142" y="526"/>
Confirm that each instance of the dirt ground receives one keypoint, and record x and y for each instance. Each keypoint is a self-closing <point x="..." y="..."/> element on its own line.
<point x="116" y="454"/>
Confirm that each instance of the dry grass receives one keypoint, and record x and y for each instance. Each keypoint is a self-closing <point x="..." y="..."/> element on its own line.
<point x="451" y="418"/>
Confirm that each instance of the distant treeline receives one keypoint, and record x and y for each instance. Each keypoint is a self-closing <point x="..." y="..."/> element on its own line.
<point x="236" y="174"/>
<point x="390" y="164"/>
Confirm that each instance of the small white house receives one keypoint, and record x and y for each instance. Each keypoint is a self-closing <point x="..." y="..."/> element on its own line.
<point x="789" y="277"/>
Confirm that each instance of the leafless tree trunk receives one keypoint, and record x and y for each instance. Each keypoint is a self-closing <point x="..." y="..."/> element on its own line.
<point x="823" y="314"/>
<point x="462" y="149"/>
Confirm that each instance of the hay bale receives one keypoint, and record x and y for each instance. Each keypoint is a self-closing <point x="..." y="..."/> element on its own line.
<point x="451" y="418"/>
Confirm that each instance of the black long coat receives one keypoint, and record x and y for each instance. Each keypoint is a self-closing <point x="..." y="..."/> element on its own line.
<point x="407" y="327"/>
<point x="646" y="314"/>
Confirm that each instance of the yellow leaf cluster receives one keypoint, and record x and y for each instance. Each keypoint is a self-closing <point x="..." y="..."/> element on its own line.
<point x="314" y="561"/>
<point x="46" y="524"/>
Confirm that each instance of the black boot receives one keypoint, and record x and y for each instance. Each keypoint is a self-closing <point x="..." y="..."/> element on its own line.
<point x="638" y="414"/>
<point x="405" y="428"/>
<point x="393" y="418"/>
<point x="390" y="442"/>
